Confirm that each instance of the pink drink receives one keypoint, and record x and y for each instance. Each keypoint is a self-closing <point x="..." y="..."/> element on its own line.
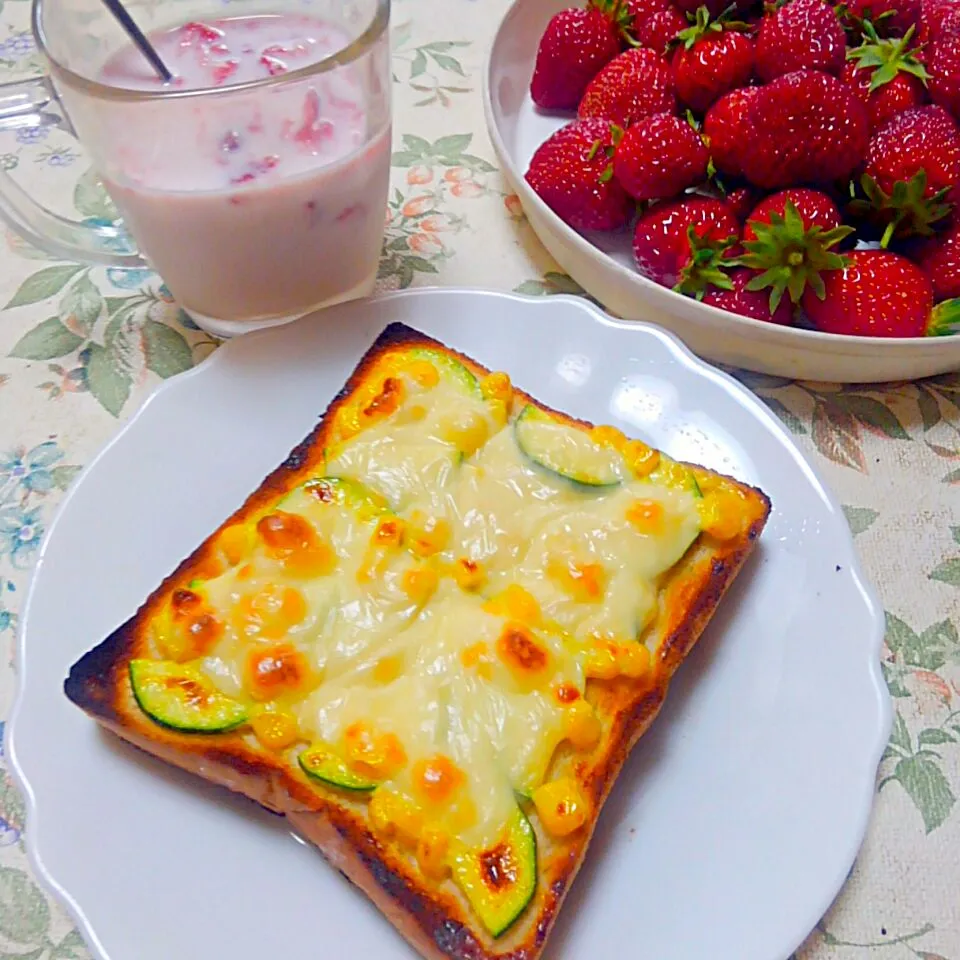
<point x="272" y="201"/>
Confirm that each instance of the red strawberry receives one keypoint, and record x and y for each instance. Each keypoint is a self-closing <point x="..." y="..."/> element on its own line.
<point x="938" y="18"/>
<point x="713" y="7"/>
<point x="912" y="166"/>
<point x="806" y="127"/>
<point x="727" y="130"/>
<point x="943" y="61"/>
<point x="741" y="201"/>
<point x="885" y="75"/>
<point x="878" y="294"/>
<point x="659" y="157"/>
<point x="788" y="240"/>
<point x="571" y="173"/>
<point x="636" y="84"/>
<point x="576" y="45"/>
<point x="640" y="10"/>
<point x="660" y="30"/>
<point x="804" y="34"/>
<point x="816" y="209"/>
<point x="680" y="243"/>
<point x="747" y="302"/>
<point x="939" y="258"/>
<point x="711" y="60"/>
<point x="893" y="18"/>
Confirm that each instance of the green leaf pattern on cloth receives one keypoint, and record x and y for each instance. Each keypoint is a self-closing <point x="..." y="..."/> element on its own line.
<point x="81" y="348"/>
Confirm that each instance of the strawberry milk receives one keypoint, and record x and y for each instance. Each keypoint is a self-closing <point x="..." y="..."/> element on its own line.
<point x="256" y="205"/>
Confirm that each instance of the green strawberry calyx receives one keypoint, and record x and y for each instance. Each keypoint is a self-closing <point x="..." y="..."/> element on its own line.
<point x="887" y="57"/>
<point x="703" y="24"/>
<point x="617" y="12"/>
<point x="904" y="212"/>
<point x="790" y="257"/>
<point x="707" y="265"/>
<point x="944" y="319"/>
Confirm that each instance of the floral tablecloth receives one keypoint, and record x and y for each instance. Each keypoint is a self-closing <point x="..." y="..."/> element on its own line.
<point x="81" y="348"/>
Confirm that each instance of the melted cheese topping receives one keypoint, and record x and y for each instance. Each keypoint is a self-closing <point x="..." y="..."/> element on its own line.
<point x="426" y="637"/>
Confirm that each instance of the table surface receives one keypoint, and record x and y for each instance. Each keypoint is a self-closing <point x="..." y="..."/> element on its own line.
<point x="81" y="347"/>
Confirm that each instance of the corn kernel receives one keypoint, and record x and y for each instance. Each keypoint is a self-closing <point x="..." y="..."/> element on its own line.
<point x="721" y="515"/>
<point x="420" y="583"/>
<point x="437" y="779"/>
<point x="499" y="411"/>
<point x="634" y="660"/>
<point x="235" y="541"/>
<point x="468" y="573"/>
<point x="271" y="612"/>
<point x="601" y="661"/>
<point x="468" y="434"/>
<point x="275" y="730"/>
<point x="463" y="815"/>
<point x="389" y="399"/>
<point x="646" y="516"/>
<point x="581" y="726"/>
<point x="584" y="582"/>
<point x="395" y="817"/>
<point x="380" y="756"/>
<point x="432" y="849"/>
<point x="427" y="535"/>
<point x="516" y="603"/>
<point x="641" y="459"/>
<point x="387" y="669"/>
<point x="496" y="386"/>
<point x="412" y="413"/>
<point x="561" y="806"/>
<point x="606" y="436"/>
<point x="276" y="669"/>
<point x="389" y="532"/>
<point x="522" y="653"/>
<point x="423" y="372"/>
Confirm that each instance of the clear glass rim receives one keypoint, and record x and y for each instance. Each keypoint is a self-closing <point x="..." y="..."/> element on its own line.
<point x="373" y="31"/>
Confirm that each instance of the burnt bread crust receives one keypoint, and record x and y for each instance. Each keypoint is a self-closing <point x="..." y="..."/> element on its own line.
<point x="435" y="919"/>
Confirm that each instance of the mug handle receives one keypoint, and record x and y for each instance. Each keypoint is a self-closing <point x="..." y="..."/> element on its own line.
<point x="23" y="103"/>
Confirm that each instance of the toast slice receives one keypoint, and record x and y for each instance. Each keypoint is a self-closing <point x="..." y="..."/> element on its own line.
<point x="431" y="638"/>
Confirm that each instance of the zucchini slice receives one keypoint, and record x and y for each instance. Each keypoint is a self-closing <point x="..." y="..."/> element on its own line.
<point x="500" y="881"/>
<point x="179" y="696"/>
<point x="351" y="494"/>
<point x="451" y="369"/>
<point x="566" y="451"/>
<point x="322" y="763"/>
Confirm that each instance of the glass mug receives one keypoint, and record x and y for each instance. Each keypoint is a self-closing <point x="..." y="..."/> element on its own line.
<point x="254" y="184"/>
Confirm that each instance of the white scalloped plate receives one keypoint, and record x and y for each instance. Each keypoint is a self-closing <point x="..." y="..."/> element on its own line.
<point x="734" y="823"/>
<point x="603" y="263"/>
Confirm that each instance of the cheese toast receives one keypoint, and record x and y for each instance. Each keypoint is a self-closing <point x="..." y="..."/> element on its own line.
<point x="430" y="639"/>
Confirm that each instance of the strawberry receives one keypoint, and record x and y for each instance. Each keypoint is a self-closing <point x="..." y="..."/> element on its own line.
<point x="636" y="84"/>
<point x="712" y="58"/>
<point x="939" y="258"/>
<point x="576" y="45"/>
<point x="938" y="18"/>
<point x="660" y="30"/>
<point x="805" y="127"/>
<point x="943" y="61"/>
<point x="814" y="208"/>
<point x="885" y="75"/>
<point x="741" y="201"/>
<point x="713" y="7"/>
<point x="788" y="240"/>
<point x="571" y="173"/>
<point x="681" y="243"/>
<point x="803" y="34"/>
<point x="892" y="18"/>
<point x="658" y="157"/>
<point x="878" y="294"/>
<point x="641" y="10"/>
<point x="726" y="128"/>
<point x="911" y="172"/>
<point x="746" y="302"/>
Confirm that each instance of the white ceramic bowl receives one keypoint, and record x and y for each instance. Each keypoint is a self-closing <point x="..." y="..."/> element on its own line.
<point x="603" y="264"/>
